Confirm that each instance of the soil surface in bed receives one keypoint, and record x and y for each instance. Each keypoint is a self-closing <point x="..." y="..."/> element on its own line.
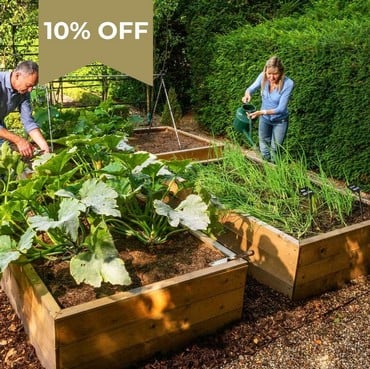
<point x="164" y="141"/>
<point x="145" y="264"/>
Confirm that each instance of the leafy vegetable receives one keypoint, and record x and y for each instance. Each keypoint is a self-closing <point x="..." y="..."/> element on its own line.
<point x="70" y="203"/>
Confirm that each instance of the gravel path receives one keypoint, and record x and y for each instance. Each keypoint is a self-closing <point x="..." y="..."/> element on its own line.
<point x="331" y="331"/>
<point x="336" y="339"/>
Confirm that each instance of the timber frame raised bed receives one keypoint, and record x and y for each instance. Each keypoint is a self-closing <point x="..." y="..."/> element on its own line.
<point x="202" y="149"/>
<point x="299" y="268"/>
<point x="127" y="327"/>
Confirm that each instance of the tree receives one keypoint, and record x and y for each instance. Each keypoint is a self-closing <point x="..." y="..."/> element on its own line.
<point x="18" y="31"/>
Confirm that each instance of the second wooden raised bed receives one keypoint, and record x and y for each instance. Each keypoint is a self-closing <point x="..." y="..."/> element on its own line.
<point x="299" y="268"/>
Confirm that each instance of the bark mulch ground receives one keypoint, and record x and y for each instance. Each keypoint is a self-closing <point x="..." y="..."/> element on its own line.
<point x="331" y="331"/>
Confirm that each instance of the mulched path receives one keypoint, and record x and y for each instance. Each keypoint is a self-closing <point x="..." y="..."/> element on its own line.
<point x="327" y="332"/>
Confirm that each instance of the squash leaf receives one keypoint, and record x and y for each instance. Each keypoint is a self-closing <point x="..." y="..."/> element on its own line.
<point x="100" y="197"/>
<point x="8" y="252"/>
<point x="191" y="213"/>
<point x="68" y="218"/>
<point x="101" y="263"/>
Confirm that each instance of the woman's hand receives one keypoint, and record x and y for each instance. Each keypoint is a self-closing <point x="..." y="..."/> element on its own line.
<point x="257" y="113"/>
<point x="247" y="97"/>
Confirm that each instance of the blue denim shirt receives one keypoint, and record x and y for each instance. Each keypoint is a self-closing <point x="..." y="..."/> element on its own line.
<point x="10" y="100"/>
<point x="276" y="100"/>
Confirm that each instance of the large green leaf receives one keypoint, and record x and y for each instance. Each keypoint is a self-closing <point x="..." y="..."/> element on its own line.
<point x="68" y="218"/>
<point x="101" y="263"/>
<point x="100" y="197"/>
<point x="55" y="165"/>
<point x="8" y="252"/>
<point x="191" y="213"/>
<point x="26" y="241"/>
<point x="132" y="160"/>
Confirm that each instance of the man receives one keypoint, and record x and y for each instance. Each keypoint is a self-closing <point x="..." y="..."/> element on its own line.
<point x="15" y="88"/>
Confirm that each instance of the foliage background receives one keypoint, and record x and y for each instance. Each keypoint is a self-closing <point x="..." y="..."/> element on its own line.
<point x="209" y="52"/>
<point x="325" y="48"/>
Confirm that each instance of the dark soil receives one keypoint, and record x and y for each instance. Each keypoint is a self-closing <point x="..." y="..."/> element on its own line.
<point x="146" y="265"/>
<point x="164" y="141"/>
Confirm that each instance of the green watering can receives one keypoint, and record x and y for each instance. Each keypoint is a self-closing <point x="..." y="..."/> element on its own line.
<point x="242" y="123"/>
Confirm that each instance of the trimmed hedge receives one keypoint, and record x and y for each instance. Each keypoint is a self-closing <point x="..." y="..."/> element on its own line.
<point x="328" y="61"/>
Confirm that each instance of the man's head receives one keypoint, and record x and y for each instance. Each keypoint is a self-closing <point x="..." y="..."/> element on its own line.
<point x="25" y="77"/>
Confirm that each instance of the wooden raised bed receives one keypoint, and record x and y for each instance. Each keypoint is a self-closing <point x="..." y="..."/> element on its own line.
<point x="299" y="268"/>
<point x="119" y="330"/>
<point x="168" y="143"/>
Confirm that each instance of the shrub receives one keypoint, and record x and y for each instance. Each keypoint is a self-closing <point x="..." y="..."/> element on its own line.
<point x="328" y="62"/>
<point x="166" y="118"/>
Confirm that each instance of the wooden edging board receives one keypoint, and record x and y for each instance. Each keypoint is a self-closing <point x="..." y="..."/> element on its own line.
<point x="299" y="268"/>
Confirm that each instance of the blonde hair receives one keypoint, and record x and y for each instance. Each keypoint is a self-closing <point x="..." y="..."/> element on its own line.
<point x="274" y="62"/>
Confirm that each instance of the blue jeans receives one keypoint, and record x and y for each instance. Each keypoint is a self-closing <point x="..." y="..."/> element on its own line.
<point x="271" y="136"/>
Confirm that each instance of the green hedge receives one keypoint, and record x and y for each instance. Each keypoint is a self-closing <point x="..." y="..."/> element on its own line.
<point x="204" y="20"/>
<point x="328" y="60"/>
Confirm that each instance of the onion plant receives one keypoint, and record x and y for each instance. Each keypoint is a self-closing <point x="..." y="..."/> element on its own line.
<point x="272" y="192"/>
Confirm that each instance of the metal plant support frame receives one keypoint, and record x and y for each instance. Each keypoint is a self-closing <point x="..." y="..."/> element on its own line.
<point x="162" y="85"/>
<point x="49" y="118"/>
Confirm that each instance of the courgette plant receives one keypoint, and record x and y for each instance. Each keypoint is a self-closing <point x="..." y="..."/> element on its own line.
<point x="72" y="203"/>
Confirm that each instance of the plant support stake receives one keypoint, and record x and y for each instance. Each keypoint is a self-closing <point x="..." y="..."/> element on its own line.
<point x="357" y="189"/>
<point x="306" y="192"/>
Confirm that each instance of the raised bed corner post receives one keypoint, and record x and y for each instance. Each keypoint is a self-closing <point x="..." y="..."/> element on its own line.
<point x="162" y="84"/>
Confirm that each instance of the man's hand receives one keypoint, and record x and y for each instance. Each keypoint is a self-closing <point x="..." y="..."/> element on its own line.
<point x="39" y="140"/>
<point x="24" y="147"/>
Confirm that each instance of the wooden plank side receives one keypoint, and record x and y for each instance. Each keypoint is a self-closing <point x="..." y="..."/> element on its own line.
<point x="177" y="321"/>
<point x="350" y="240"/>
<point x="200" y="153"/>
<point x="331" y="281"/>
<point x="322" y="268"/>
<point x="37" y="320"/>
<point x="150" y="302"/>
<point x="247" y="225"/>
<point x="328" y="264"/>
<point x="346" y="264"/>
<point x="144" y="351"/>
<point x="274" y="252"/>
<point x="263" y="276"/>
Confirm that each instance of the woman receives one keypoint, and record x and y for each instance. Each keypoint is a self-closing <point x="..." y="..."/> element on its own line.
<point x="276" y="89"/>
